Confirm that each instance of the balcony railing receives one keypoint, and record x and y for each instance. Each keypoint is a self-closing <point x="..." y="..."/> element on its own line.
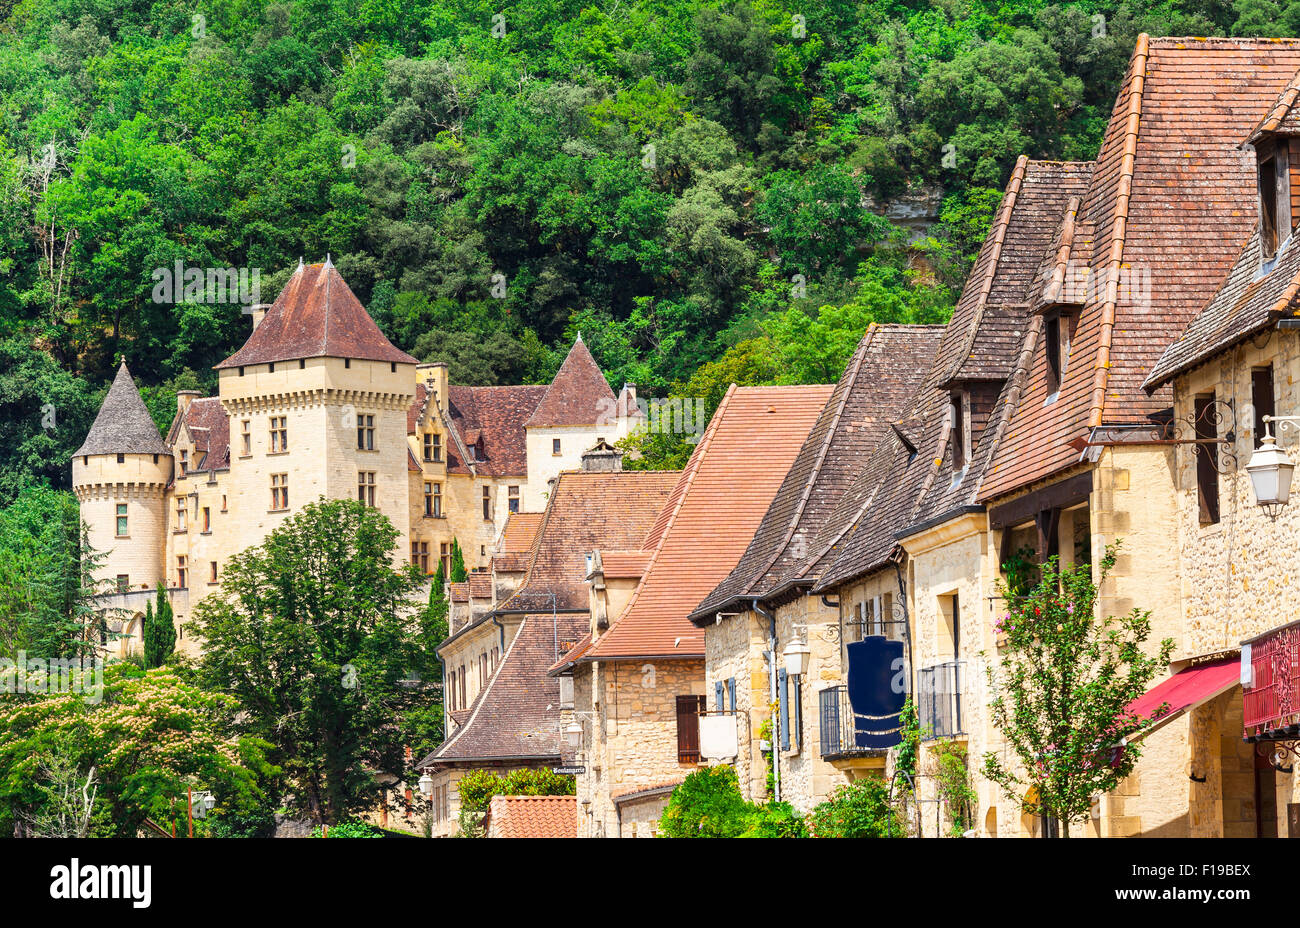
<point x="845" y="733"/>
<point x="1272" y="702"/>
<point x="938" y="700"/>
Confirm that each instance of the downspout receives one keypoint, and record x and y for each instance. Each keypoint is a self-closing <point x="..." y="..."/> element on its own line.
<point x="497" y="623"/>
<point x="774" y="700"/>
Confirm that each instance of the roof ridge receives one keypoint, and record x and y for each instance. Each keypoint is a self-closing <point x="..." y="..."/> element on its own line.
<point x="481" y="698"/>
<point x="1119" y="229"/>
<point x="1063" y="251"/>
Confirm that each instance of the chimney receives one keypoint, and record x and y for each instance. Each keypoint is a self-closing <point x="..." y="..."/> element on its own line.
<point x="604" y="458"/>
<point x="183" y="400"/>
<point x="434" y="376"/>
<point x="259" y="313"/>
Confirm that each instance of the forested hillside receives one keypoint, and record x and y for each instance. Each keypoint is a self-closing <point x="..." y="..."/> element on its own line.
<point x="696" y="186"/>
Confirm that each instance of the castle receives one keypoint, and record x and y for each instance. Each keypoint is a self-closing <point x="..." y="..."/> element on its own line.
<point x="319" y="403"/>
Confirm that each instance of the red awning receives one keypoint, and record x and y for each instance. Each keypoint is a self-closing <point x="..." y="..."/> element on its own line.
<point x="1187" y="689"/>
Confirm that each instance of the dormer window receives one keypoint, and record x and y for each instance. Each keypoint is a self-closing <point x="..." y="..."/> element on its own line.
<point x="1274" y="196"/>
<point x="958" y="424"/>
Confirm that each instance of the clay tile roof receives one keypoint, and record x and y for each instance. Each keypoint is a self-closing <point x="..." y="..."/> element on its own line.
<point x="886" y="369"/>
<point x="316" y="315"/>
<point x="480" y="584"/>
<point x="459" y="592"/>
<point x="586" y="511"/>
<point x="1244" y="305"/>
<point x="123" y="425"/>
<point x="533" y="817"/>
<point x="1170" y="187"/>
<point x="633" y="793"/>
<point x="210" y="426"/>
<point x="519" y="532"/>
<point x="415" y="411"/>
<point x="579" y="394"/>
<point x="718" y="502"/>
<point x="624" y="564"/>
<point x="1281" y="116"/>
<point x="491" y="418"/>
<point x="510" y="562"/>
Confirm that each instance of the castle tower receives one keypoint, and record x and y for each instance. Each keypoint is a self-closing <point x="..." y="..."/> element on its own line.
<point x="120" y="475"/>
<point x="317" y="399"/>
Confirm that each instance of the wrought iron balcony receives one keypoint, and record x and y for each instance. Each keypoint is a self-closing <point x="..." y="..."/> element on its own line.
<point x="939" y="700"/>
<point x="844" y="733"/>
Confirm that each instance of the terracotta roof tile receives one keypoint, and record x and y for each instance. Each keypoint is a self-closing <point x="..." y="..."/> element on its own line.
<point x="888" y="366"/>
<point x="491" y="419"/>
<point x="579" y="394"/>
<point x="519" y="532"/>
<point x="480" y="585"/>
<point x="624" y="564"/>
<point x="1170" y="187"/>
<point x="533" y="817"/>
<point x="210" y="427"/>
<point x="718" y="502"/>
<point x="316" y="315"/>
<point x="459" y="592"/>
<point x="123" y="424"/>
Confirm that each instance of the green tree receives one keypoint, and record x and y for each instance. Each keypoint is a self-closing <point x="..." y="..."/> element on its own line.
<point x="862" y="809"/>
<point x="1062" y="688"/>
<point x="458" y="572"/>
<point x="159" y="631"/>
<point x="314" y="632"/>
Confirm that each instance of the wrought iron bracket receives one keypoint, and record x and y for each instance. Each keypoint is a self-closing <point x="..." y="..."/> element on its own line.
<point x="1214" y="415"/>
<point x="1276" y="752"/>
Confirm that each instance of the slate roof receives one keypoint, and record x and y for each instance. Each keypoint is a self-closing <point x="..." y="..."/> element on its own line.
<point x="492" y="418"/>
<point x="1169" y="188"/>
<point x="210" y="427"/>
<point x="123" y="424"/>
<point x="1246" y="304"/>
<point x="516" y="715"/>
<point x="908" y="478"/>
<point x="887" y="367"/>
<point x="316" y="315"/>
<point x="533" y="817"/>
<point x="578" y="394"/>
<point x="585" y="512"/>
<point x="717" y="503"/>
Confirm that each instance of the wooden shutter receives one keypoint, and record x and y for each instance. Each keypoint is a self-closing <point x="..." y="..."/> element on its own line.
<point x="783" y="698"/>
<point x="688" y="728"/>
<point x="1261" y="397"/>
<point x="1207" y="459"/>
<point x="718" y="703"/>
<point x="731" y="693"/>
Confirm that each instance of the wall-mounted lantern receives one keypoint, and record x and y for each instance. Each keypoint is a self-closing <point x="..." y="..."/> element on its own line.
<point x="1270" y="470"/>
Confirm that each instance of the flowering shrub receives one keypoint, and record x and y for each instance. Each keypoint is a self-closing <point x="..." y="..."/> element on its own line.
<point x="1062" y="687"/>
<point x="858" y="810"/>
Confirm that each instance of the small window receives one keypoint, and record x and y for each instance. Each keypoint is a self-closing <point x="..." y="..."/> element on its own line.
<point x="957" y="423"/>
<point x="182" y="572"/>
<point x="365" y="433"/>
<point x="123" y="582"/>
<point x="180" y="514"/>
<point x="241" y="372"/>
<point x="185" y="462"/>
<point x="392" y="367"/>
<point x="1261" y="398"/>
<point x="302" y="364"/>
<point x="212" y="571"/>
<point x="121" y="520"/>
<point x="1207" y="459"/>
<point x="246" y="437"/>
<point x="366" y="487"/>
<point x="207" y="519"/>
<point x="279" y="492"/>
<point x="688" y="728"/>
<point x="444" y="555"/>
<point x="223" y="502"/>
<point x="270" y="368"/>
<point x="1052" y="333"/>
<point x="279" y="434"/>
<point x="512" y="498"/>
<point x="487" y="503"/>
<point x="347" y="362"/>
<point x="121" y="459"/>
<point x="555" y="446"/>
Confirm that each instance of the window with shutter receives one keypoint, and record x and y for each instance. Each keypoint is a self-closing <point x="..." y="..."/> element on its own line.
<point x="783" y="698"/>
<point x="1207" y="459"/>
<point x="718" y="703"/>
<point x="731" y="693"/>
<point x="688" y="728"/>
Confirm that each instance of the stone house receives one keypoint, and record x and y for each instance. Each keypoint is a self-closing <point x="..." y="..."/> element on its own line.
<point x="766" y="602"/>
<point x="640" y="704"/>
<point x="510" y="714"/>
<point x="319" y="403"/>
<point x="1233" y="735"/>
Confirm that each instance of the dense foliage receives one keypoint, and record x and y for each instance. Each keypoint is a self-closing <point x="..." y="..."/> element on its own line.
<point x="1061" y="689"/>
<point x="478" y="787"/>
<point x="317" y="636"/>
<point x="159" y="630"/>
<point x="695" y="185"/>
<point x="862" y="809"/>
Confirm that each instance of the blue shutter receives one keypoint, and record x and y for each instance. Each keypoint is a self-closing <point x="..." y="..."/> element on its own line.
<point x="783" y="699"/>
<point x="731" y="693"/>
<point x="717" y="697"/>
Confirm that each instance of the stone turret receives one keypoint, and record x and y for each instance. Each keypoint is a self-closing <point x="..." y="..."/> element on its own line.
<point x="120" y="475"/>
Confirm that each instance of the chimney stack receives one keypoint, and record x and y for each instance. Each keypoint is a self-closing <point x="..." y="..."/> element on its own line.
<point x="604" y="458"/>
<point x="259" y="313"/>
<point x="183" y="400"/>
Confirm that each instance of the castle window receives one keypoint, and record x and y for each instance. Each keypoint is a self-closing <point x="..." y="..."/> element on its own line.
<point x="181" y="572"/>
<point x="1261" y="397"/>
<point x="302" y="364"/>
<point x="555" y="446"/>
<point x="123" y="583"/>
<point x="223" y="502"/>
<point x="155" y="459"/>
<point x="1207" y="459"/>
<point x="432" y="447"/>
<point x="246" y="437"/>
<point x="487" y="503"/>
<point x="207" y="519"/>
<point x="121" y="520"/>
<point x="185" y="462"/>
<point x="279" y="434"/>
<point x="366" y="487"/>
<point x="347" y="362"/>
<point x="121" y="459"/>
<point x="180" y="514"/>
<point x="420" y="555"/>
<point x="444" y="555"/>
<point x="512" y="498"/>
<point x="392" y="367"/>
<point x="212" y="571"/>
<point x="365" y="433"/>
<point x="270" y="368"/>
<point x="279" y="492"/>
<point x="433" y="500"/>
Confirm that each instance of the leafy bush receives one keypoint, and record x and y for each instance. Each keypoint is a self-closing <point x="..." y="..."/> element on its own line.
<point x="708" y="804"/>
<point x="775" y="820"/>
<point x="858" y="810"/>
<point x="479" y="786"/>
<point x="348" y="829"/>
<point x="256" y="824"/>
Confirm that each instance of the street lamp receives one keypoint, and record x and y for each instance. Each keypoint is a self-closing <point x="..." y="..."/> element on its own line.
<point x="573" y="735"/>
<point x="796" y="655"/>
<point x="1270" y="470"/>
<point x="426" y="786"/>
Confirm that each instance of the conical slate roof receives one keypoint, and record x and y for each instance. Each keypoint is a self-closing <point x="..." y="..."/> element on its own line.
<point x="123" y="425"/>
<point x="316" y="315"/>
<point x="575" y="395"/>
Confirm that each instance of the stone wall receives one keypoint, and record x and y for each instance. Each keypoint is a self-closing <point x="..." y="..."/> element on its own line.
<point x="734" y="650"/>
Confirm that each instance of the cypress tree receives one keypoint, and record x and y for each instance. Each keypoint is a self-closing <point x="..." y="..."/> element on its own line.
<point x="159" y="632"/>
<point x="458" y="572"/>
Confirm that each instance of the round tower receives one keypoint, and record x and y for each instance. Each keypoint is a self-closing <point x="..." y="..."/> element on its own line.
<point x="120" y="476"/>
